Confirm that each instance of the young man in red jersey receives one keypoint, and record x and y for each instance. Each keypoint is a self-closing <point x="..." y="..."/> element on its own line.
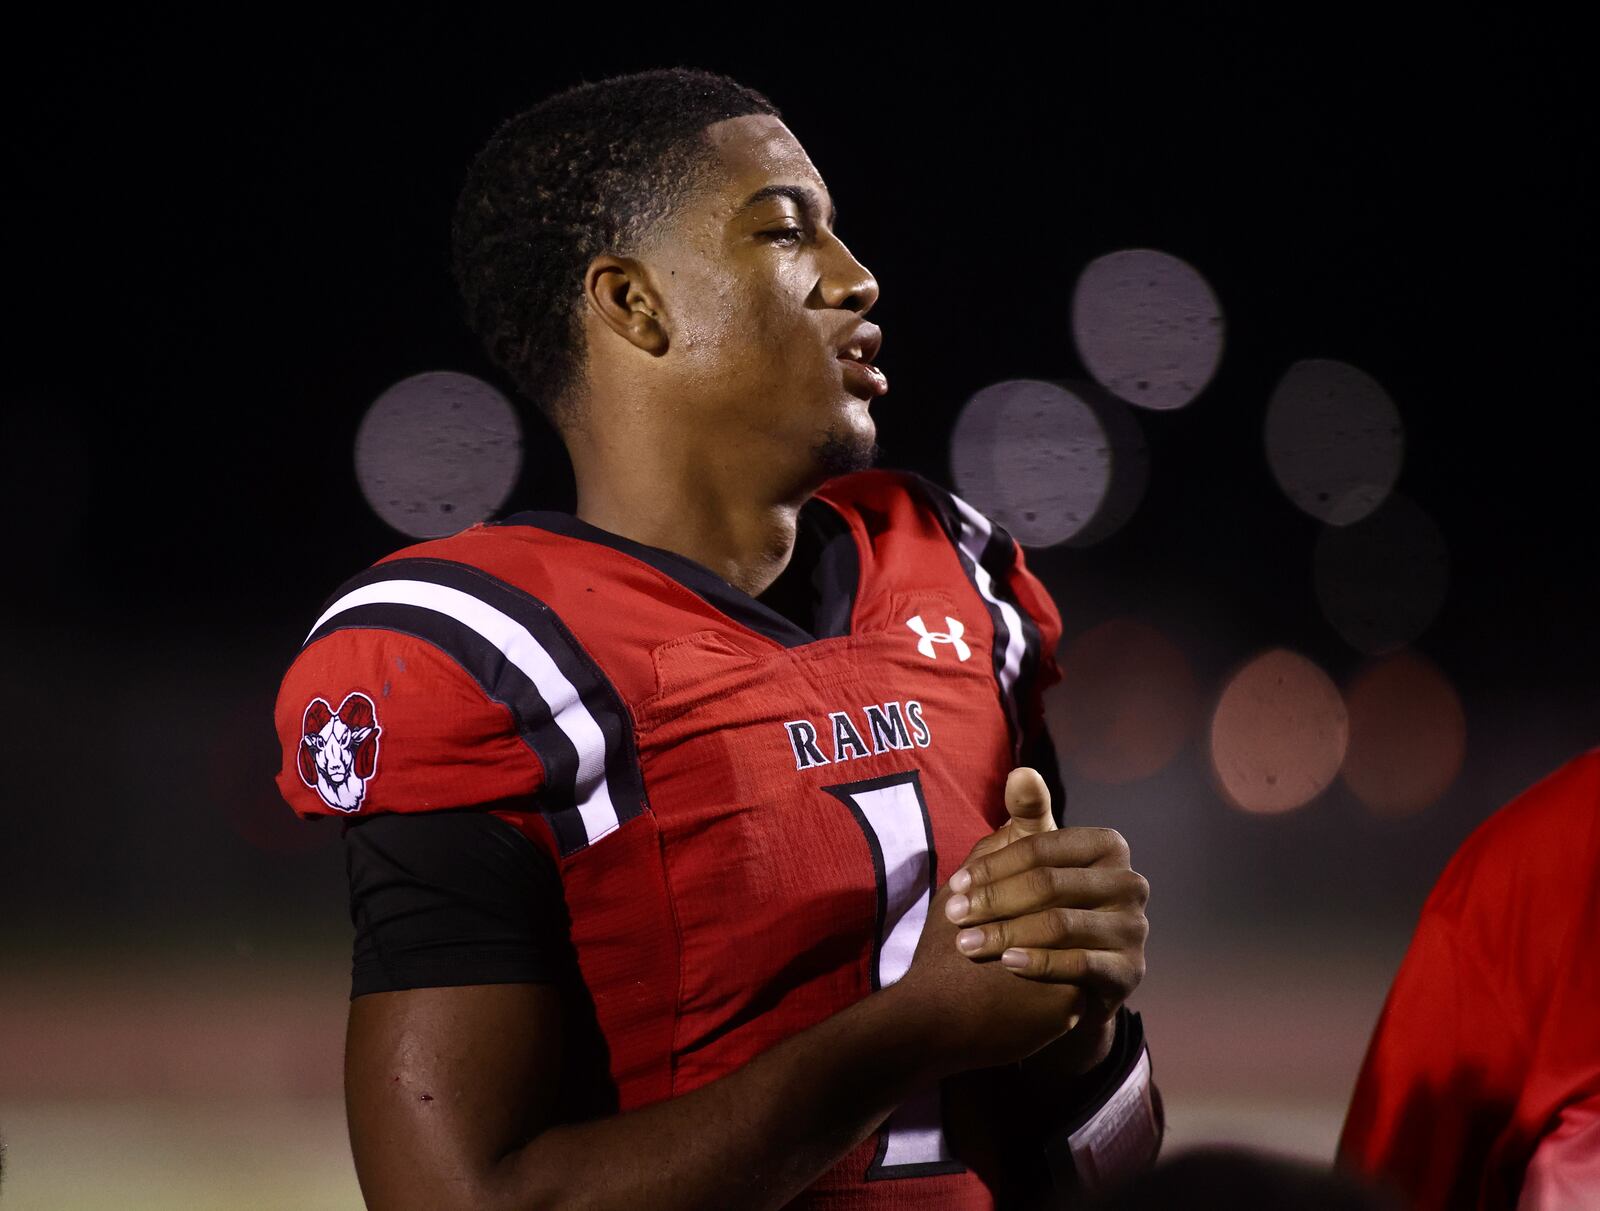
<point x="699" y="855"/>
<point x="1481" y="1086"/>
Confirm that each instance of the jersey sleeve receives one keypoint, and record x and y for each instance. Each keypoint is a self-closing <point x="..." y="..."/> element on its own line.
<point x="1439" y="1074"/>
<point x="429" y="684"/>
<point x="374" y="720"/>
<point x="1487" y="1034"/>
<point x="408" y="730"/>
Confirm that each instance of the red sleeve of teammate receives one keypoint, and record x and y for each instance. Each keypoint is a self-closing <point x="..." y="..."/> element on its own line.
<point x="373" y="720"/>
<point x="1487" y="1037"/>
<point x="1439" y="1074"/>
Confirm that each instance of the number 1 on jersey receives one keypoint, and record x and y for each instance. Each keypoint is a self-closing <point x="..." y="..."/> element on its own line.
<point x="894" y="816"/>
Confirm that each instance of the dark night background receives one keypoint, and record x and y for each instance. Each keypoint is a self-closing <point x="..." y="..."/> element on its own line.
<point x="224" y="246"/>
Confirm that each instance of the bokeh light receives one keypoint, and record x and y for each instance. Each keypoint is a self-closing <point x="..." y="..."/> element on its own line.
<point x="1127" y="704"/>
<point x="1279" y="733"/>
<point x="1130" y="463"/>
<point x="437" y="452"/>
<point x="1380" y="581"/>
<point x="1148" y="327"/>
<point x="1408" y="735"/>
<point x="1034" y="457"/>
<point x="1334" y="440"/>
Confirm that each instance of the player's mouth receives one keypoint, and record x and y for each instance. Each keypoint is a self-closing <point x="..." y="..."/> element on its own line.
<point x="855" y="354"/>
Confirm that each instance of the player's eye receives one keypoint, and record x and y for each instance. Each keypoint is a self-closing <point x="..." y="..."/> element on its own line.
<point x="783" y="234"/>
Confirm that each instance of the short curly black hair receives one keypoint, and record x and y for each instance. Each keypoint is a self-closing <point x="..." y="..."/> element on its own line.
<point x="587" y="171"/>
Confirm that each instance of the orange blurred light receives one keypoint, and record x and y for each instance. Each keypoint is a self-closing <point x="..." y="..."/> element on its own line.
<point x="1408" y="735"/>
<point x="1126" y="705"/>
<point x="1279" y="733"/>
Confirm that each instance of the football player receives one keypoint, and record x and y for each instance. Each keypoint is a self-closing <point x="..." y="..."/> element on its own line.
<point x="701" y="847"/>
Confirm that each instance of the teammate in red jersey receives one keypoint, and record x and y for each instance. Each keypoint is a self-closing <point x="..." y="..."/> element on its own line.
<point x="691" y="860"/>
<point x="1481" y="1087"/>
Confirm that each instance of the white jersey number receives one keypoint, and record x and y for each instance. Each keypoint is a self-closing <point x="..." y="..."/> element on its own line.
<point x="894" y="816"/>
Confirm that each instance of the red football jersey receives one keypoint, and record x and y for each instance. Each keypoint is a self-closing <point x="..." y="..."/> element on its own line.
<point x="749" y="820"/>
<point x="1481" y="1087"/>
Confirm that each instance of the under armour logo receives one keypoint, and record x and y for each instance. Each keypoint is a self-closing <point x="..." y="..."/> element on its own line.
<point x="951" y="635"/>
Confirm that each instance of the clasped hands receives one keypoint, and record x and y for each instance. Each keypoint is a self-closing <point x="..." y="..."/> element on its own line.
<point x="1057" y="905"/>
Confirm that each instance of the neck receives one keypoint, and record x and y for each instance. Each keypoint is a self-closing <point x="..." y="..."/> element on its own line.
<point x="742" y="532"/>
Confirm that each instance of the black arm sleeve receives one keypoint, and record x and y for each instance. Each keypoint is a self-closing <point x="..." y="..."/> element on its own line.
<point x="451" y="898"/>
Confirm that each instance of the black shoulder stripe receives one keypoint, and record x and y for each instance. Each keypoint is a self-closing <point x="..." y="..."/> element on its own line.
<point x="500" y="681"/>
<point x="522" y="655"/>
<point x="987" y="552"/>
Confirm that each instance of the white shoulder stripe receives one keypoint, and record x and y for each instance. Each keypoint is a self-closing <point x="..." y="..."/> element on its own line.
<point x="518" y="646"/>
<point x="975" y="533"/>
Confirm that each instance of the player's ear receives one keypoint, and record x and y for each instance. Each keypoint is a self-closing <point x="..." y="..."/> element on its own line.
<point x="617" y="290"/>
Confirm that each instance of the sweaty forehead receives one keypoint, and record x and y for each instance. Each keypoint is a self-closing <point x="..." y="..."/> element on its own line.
<point x="758" y="150"/>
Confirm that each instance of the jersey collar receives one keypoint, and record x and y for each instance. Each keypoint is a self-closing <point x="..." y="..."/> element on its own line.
<point x="817" y="588"/>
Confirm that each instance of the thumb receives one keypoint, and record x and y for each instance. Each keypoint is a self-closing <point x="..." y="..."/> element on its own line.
<point x="1028" y="801"/>
<point x="1028" y="809"/>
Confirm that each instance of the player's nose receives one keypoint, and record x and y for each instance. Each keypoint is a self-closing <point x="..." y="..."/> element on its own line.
<point x="849" y="285"/>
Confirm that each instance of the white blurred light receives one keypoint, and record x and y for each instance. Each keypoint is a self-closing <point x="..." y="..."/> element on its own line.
<point x="438" y="452"/>
<point x="1046" y="463"/>
<point x="1130" y="463"/>
<point x="1148" y="327"/>
<point x="1381" y="580"/>
<point x="1279" y="733"/>
<point x="1334" y="440"/>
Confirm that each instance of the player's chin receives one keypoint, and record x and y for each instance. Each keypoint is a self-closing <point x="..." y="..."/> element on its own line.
<point x="845" y="447"/>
